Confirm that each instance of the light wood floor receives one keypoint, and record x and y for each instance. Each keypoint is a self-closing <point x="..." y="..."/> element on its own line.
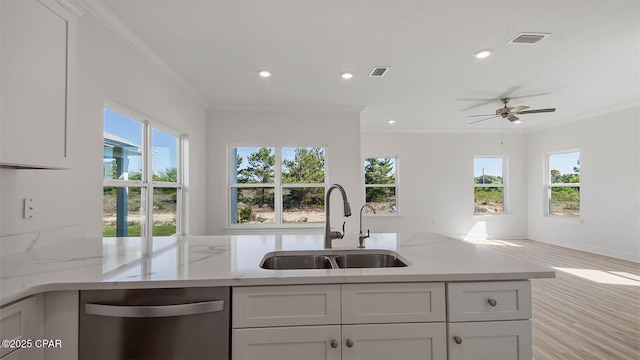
<point x="591" y="310"/>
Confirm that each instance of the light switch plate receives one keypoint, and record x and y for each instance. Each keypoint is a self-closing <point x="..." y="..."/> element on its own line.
<point x="30" y="209"/>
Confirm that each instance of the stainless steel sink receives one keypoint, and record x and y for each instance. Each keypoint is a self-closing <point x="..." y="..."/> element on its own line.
<point x="332" y="259"/>
<point x="348" y="261"/>
<point x="291" y="261"/>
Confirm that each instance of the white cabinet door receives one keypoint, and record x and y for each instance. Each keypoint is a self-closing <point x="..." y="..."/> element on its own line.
<point x="490" y="340"/>
<point x="394" y="341"/>
<point x="36" y="67"/>
<point x="21" y="324"/>
<point x="287" y="343"/>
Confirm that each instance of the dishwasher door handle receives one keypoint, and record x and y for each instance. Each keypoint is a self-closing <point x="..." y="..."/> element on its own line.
<point x="154" y="311"/>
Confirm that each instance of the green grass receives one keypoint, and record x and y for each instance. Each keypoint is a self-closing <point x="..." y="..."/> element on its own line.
<point x="134" y="230"/>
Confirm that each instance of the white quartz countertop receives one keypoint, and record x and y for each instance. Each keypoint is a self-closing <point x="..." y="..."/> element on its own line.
<point x="233" y="260"/>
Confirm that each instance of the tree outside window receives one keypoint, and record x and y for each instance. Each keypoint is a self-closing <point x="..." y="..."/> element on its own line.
<point x="380" y="183"/>
<point x="489" y="187"/>
<point x="277" y="185"/>
<point x="564" y="184"/>
<point x="142" y="185"/>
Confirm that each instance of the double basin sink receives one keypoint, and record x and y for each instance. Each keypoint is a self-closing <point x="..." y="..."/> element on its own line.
<point x="332" y="259"/>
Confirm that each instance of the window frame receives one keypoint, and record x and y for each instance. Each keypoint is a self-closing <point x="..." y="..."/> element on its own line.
<point x="504" y="185"/>
<point x="395" y="185"/>
<point x="277" y="185"/>
<point x="147" y="183"/>
<point x="550" y="185"/>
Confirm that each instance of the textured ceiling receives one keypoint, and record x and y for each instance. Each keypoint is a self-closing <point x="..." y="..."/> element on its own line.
<point x="589" y="63"/>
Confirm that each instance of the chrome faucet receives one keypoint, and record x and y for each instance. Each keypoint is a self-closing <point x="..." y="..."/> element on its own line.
<point x="362" y="236"/>
<point x="328" y="234"/>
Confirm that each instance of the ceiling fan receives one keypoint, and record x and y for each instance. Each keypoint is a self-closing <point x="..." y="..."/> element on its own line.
<point x="509" y="112"/>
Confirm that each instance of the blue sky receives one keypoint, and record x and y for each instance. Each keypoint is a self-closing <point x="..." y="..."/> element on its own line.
<point x="164" y="145"/>
<point x="564" y="162"/>
<point x="491" y="166"/>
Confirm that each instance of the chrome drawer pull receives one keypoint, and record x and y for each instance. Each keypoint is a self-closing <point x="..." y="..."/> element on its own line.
<point x="492" y="302"/>
<point x="154" y="311"/>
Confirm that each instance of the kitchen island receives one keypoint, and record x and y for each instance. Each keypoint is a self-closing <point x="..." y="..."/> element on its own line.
<point x="448" y="274"/>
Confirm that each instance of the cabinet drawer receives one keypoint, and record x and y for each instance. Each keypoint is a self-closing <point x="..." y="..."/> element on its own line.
<point x="393" y="303"/>
<point x="19" y="322"/>
<point x="262" y="306"/>
<point x="484" y="301"/>
<point x="296" y="342"/>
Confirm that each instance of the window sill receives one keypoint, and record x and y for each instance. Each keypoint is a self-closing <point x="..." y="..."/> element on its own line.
<point x="370" y="215"/>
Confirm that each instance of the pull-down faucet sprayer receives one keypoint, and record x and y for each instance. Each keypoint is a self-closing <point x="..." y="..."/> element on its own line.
<point x="328" y="234"/>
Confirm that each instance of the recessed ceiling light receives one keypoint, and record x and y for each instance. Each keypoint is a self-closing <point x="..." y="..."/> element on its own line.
<point x="391" y="121"/>
<point x="264" y="73"/>
<point x="347" y="75"/>
<point x="482" y="54"/>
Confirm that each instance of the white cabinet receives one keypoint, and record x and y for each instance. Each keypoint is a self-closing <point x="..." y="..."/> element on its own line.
<point x="357" y="321"/>
<point x="292" y="342"/>
<point x="21" y="325"/>
<point x="491" y="340"/>
<point x="262" y="306"/>
<point x="37" y="64"/>
<point x="394" y="341"/>
<point x="489" y="320"/>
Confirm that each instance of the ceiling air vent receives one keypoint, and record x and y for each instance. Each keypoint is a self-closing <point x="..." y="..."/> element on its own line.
<point x="379" y="71"/>
<point x="528" y="38"/>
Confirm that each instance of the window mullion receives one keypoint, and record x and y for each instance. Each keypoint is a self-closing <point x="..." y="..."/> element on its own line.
<point x="278" y="190"/>
<point x="147" y="177"/>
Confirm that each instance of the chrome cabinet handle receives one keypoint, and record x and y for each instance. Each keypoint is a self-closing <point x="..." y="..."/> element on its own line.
<point x="154" y="311"/>
<point x="349" y="343"/>
<point x="457" y="339"/>
<point x="334" y="344"/>
<point x="492" y="302"/>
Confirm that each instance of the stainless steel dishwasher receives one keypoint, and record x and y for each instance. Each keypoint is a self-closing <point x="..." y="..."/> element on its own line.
<point x="185" y="323"/>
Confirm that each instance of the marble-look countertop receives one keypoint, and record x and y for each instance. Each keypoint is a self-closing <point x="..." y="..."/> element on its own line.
<point x="233" y="260"/>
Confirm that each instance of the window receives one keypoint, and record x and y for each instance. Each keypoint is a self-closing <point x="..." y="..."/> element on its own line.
<point x="142" y="184"/>
<point x="381" y="184"/>
<point x="563" y="181"/>
<point x="489" y="185"/>
<point x="277" y="185"/>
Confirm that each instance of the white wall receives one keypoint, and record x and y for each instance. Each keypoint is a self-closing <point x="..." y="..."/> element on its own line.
<point x="609" y="184"/>
<point x="338" y="130"/>
<point x="106" y="69"/>
<point x="435" y="179"/>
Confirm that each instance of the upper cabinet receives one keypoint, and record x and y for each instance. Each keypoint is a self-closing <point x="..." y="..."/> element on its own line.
<point x="37" y="68"/>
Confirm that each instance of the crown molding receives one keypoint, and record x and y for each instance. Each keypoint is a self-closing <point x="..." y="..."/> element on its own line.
<point x="587" y="115"/>
<point x="441" y="131"/>
<point x="288" y="108"/>
<point x="106" y="16"/>
<point x="73" y="6"/>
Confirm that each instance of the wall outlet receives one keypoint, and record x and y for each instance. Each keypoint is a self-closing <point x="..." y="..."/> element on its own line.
<point x="30" y="209"/>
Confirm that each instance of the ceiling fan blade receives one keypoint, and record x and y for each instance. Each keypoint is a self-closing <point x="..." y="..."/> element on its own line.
<point x="537" y="111"/>
<point x="514" y="119"/>
<point x="482" y="115"/>
<point x="517" y="109"/>
<point x="477" y="121"/>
